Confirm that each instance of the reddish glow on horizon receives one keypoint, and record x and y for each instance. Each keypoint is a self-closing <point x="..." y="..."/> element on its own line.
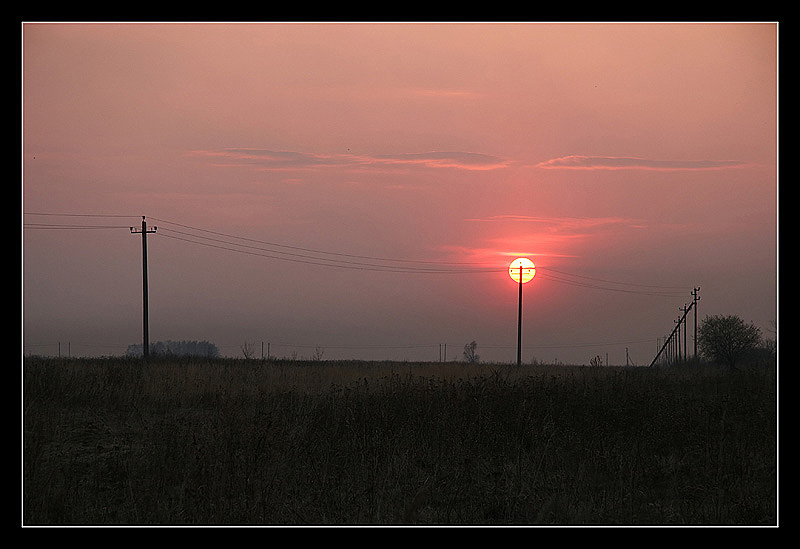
<point x="528" y="270"/>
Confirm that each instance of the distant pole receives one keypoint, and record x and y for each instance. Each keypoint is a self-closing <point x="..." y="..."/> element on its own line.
<point x="145" y="314"/>
<point x="685" y="310"/>
<point x="519" y="320"/>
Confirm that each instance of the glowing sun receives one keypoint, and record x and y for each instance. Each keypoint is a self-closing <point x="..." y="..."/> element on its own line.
<point x="528" y="270"/>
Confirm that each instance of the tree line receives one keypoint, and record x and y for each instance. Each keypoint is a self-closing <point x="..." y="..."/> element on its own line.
<point x="723" y="339"/>
<point x="176" y="348"/>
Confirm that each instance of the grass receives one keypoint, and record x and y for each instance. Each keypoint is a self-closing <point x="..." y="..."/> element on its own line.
<point x="234" y="442"/>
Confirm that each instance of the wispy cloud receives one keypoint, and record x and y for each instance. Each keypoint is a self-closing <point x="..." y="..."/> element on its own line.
<point x="293" y="160"/>
<point x="544" y="237"/>
<point x="558" y="224"/>
<point x="578" y="162"/>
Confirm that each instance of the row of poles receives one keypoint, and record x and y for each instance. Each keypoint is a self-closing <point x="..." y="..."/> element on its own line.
<point x="144" y="231"/>
<point x="671" y="351"/>
<point x="670" y="348"/>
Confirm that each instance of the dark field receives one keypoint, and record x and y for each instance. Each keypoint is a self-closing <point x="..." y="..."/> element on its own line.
<point x="235" y="442"/>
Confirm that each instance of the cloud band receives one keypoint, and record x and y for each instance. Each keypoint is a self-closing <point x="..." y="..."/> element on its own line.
<point x="578" y="162"/>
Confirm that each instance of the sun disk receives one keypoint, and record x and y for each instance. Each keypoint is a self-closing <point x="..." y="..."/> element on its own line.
<point x="528" y="270"/>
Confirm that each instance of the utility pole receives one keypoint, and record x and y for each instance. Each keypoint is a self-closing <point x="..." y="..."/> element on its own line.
<point x="145" y="327"/>
<point x="694" y="304"/>
<point x="519" y="320"/>
<point x="685" y="310"/>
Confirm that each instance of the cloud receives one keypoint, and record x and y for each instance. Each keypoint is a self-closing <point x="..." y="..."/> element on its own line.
<point x="578" y="162"/>
<point x="544" y="237"/>
<point x="292" y="160"/>
<point x="459" y="160"/>
<point x="559" y="224"/>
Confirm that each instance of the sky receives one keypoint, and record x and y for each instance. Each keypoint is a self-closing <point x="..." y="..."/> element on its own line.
<point x="358" y="190"/>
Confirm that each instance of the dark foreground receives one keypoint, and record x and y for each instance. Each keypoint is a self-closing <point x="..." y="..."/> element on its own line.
<point x="190" y="442"/>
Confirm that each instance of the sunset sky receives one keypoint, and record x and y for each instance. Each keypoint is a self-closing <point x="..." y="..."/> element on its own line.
<point x="360" y="189"/>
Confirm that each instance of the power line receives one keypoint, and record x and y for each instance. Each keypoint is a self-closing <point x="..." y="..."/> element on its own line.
<point x="616" y="282"/>
<point x="314" y="260"/>
<point x="373" y="263"/>
<point x="314" y="251"/>
<point x="570" y="345"/>
<point x="312" y="256"/>
<point x="77" y="215"/>
<point x="335" y="263"/>
<point x="567" y="281"/>
<point x="61" y="227"/>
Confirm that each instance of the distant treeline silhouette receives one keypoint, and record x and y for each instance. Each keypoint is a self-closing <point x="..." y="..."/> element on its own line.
<point x="176" y="348"/>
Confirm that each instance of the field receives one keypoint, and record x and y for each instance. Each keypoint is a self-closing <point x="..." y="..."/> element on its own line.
<point x="252" y="442"/>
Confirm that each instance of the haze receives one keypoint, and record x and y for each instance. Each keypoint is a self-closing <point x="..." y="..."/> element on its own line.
<point x="285" y="163"/>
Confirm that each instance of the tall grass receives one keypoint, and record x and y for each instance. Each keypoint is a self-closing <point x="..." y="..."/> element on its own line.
<point x="113" y="441"/>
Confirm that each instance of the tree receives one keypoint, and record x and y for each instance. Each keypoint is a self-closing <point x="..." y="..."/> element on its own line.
<point x="469" y="353"/>
<point x="727" y="339"/>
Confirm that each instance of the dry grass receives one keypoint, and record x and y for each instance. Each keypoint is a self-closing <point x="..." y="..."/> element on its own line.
<point x="253" y="442"/>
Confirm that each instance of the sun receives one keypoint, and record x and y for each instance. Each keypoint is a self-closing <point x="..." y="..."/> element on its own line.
<point x="528" y="270"/>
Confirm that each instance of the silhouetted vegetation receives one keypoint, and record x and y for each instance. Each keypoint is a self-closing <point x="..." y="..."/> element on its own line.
<point x="728" y="339"/>
<point x="470" y="353"/>
<point x="229" y="442"/>
<point x="176" y="349"/>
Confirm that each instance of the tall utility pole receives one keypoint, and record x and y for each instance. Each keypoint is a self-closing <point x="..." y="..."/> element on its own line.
<point x="145" y="327"/>
<point x="694" y="304"/>
<point x="519" y="320"/>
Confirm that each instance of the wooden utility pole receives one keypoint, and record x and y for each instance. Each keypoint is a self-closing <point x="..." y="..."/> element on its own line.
<point x="685" y="309"/>
<point x="519" y="320"/>
<point x="145" y="326"/>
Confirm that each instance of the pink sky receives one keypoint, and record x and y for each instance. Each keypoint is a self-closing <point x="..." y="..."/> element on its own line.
<point x="643" y="154"/>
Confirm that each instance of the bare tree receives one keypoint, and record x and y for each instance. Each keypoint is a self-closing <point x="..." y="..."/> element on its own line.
<point x="727" y="339"/>
<point x="469" y="353"/>
<point x="248" y="351"/>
